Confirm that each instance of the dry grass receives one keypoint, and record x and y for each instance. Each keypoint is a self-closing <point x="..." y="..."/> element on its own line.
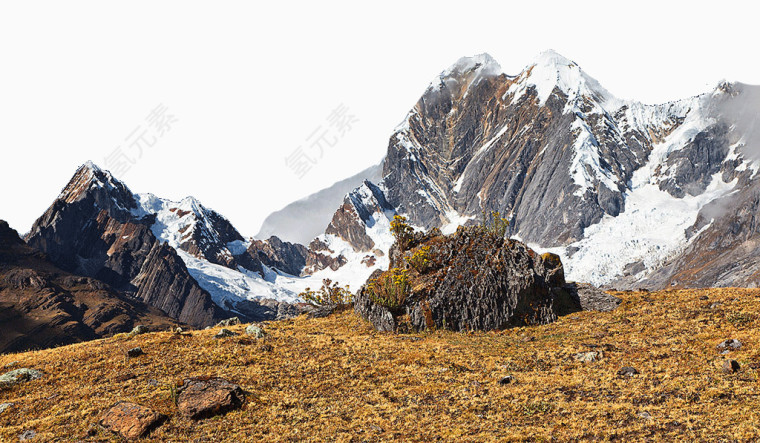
<point x="335" y="379"/>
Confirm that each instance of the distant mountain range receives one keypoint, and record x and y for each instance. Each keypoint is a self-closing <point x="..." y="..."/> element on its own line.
<point x="629" y="195"/>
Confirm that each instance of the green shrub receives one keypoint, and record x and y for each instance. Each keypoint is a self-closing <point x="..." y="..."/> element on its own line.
<point x="330" y="294"/>
<point x="402" y="231"/>
<point x="391" y="288"/>
<point x="493" y="223"/>
<point x="421" y="260"/>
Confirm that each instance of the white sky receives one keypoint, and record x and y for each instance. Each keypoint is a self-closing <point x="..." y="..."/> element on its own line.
<point x="248" y="83"/>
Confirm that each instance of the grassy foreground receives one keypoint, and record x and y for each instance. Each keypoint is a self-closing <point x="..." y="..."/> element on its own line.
<point x="336" y="379"/>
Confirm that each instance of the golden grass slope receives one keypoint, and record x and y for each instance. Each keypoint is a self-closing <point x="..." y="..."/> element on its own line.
<point x="335" y="379"/>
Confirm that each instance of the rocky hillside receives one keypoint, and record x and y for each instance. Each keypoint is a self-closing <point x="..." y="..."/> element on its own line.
<point x="42" y="306"/>
<point x="628" y="194"/>
<point x="180" y="257"/>
<point x="664" y="366"/>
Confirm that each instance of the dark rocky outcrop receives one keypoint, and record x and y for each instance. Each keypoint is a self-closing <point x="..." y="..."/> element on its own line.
<point x="472" y="280"/>
<point x="43" y="306"/>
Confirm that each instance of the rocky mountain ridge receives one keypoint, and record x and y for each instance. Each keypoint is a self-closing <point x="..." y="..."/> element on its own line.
<point x="42" y="306"/>
<point x="619" y="189"/>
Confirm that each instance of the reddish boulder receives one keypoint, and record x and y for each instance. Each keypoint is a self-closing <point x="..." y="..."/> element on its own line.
<point x="130" y="420"/>
<point x="202" y="397"/>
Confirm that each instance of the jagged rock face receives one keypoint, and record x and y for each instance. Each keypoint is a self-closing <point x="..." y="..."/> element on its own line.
<point x="351" y="221"/>
<point x="475" y="281"/>
<point x="91" y="230"/>
<point x="481" y="140"/>
<point x="285" y="256"/>
<point x="43" y="306"/>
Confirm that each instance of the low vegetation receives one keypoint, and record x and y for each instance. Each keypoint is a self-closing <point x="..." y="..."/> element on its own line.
<point x="336" y="379"/>
<point x="391" y="288"/>
<point x="331" y="295"/>
<point x="402" y="231"/>
<point x="494" y="224"/>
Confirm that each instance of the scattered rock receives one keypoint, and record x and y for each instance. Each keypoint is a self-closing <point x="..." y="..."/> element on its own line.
<point x="228" y="322"/>
<point x="704" y="297"/>
<point x="508" y="380"/>
<point x="4" y="407"/>
<point x="17" y="376"/>
<point x="255" y="331"/>
<point x="137" y="330"/>
<point x="178" y="330"/>
<point x="730" y="366"/>
<point x="11" y="364"/>
<point x="714" y="305"/>
<point x="628" y="371"/>
<point x="205" y="397"/>
<point x="729" y="345"/>
<point x="130" y="420"/>
<point x="135" y="352"/>
<point x="223" y="333"/>
<point x="645" y="415"/>
<point x="29" y="434"/>
<point x="528" y="339"/>
<point x="588" y="357"/>
<point x="266" y="348"/>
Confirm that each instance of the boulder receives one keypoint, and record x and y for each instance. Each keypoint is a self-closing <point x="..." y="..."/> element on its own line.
<point x="628" y="372"/>
<point x="4" y="407"/>
<point x="29" y="434"/>
<point x="730" y="366"/>
<point x="728" y="345"/>
<point x="470" y="280"/>
<point x="588" y="357"/>
<point x="135" y="352"/>
<point x="255" y="331"/>
<point x="18" y="376"/>
<point x="130" y="420"/>
<point x="228" y="322"/>
<point x="223" y="333"/>
<point x="138" y="330"/>
<point x="508" y="380"/>
<point x="205" y="397"/>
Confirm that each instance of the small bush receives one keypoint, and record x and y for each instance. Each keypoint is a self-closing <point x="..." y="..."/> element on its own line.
<point x="493" y="223"/>
<point x="331" y="294"/>
<point x="739" y="319"/>
<point x="402" y="231"/>
<point x="421" y="260"/>
<point x="391" y="288"/>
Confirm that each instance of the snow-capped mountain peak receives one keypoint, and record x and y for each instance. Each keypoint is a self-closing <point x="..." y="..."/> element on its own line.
<point x="466" y="72"/>
<point x="551" y="70"/>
